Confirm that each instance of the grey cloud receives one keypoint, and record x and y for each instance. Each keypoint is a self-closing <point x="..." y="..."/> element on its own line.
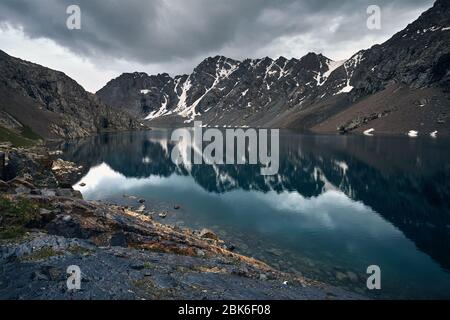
<point x="161" y="31"/>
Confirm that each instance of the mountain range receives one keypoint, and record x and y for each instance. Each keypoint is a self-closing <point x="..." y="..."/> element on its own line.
<point x="391" y="88"/>
<point x="400" y="85"/>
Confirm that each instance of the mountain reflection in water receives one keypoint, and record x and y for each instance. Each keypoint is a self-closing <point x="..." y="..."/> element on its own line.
<point x="337" y="205"/>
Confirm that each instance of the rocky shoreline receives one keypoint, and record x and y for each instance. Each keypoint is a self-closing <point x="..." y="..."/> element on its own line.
<point x="46" y="226"/>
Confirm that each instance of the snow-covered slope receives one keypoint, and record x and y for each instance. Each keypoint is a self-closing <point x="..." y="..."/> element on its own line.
<point x="223" y="91"/>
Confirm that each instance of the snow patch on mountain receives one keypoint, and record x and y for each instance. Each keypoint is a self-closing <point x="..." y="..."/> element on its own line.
<point x="331" y="65"/>
<point x="350" y="66"/>
<point x="222" y="72"/>
<point x="182" y="98"/>
<point x="162" y="110"/>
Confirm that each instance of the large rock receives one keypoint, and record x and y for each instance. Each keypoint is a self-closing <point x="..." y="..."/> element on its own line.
<point x="21" y="182"/>
<point x="208" y="234"/>
<point x="66" y="172"/>
<point x="26" y="163"/>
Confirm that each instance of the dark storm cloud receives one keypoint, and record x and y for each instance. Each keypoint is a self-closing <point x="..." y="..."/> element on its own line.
<point x="160" y="31"/>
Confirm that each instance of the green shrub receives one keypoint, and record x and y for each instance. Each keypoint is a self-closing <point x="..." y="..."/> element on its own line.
<point x="15" y="138"/>
<point x="16" y="216"/>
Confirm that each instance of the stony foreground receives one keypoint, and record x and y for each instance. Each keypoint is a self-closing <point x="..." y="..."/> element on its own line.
<point x="45" y="227"/>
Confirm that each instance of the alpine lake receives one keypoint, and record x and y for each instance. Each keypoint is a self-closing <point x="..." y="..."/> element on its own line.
<point x="337" y="205"/>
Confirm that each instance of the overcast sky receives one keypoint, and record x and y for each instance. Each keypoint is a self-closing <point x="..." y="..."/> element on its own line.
<point x="173" y="36"/>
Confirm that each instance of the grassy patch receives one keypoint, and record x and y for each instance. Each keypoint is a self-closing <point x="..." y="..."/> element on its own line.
<point x="28" y="133"/>
<point x="166" y="248"/>
<point x="41" y="254"/>
<point x="12" y="232"/>
<point x="206" y="269"/>
<point x="15" y="216"/>
<point x="78" y="250"/>
<point x="16" y="139"/>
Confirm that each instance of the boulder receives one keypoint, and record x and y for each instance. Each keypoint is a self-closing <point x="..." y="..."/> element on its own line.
<point x="340" y="276"/>
<point x="69" y="193"/>
<point x="162" y="215"/>
<point x="28" y="164"/>
<point x="48" y="193"/>
<point x="230" y="247"/>
<point x="20" y="183"/>
<point x="208" y="234"/>
<point x="352" y="276"/>
<point x="66" y="172"/>
<point x="47" y="215"/>
<point x="22" y="190"/>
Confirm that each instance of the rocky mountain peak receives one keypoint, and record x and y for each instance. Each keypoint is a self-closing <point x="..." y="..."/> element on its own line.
<point x="52" y="104"/>
<point x="281" y="60"/>
<point x="215" y="64"/>
<point x="222" y="91"/>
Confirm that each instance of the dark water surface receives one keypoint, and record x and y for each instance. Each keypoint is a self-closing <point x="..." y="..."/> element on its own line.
<point x="338" y="204"/>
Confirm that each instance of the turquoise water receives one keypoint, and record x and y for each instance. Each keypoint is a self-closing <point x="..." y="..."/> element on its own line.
<point x="337" y="205"/>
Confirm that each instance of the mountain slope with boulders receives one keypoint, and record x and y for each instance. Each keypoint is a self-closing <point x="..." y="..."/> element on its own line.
<point x="51" y="104"/>
<point x="402" y="84"/>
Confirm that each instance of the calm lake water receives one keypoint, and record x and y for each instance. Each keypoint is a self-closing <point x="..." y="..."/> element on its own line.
<point x="338" y="204"/>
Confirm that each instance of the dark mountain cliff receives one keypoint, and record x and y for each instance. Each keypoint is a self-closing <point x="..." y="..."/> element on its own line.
<point x="52" y="104"/>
